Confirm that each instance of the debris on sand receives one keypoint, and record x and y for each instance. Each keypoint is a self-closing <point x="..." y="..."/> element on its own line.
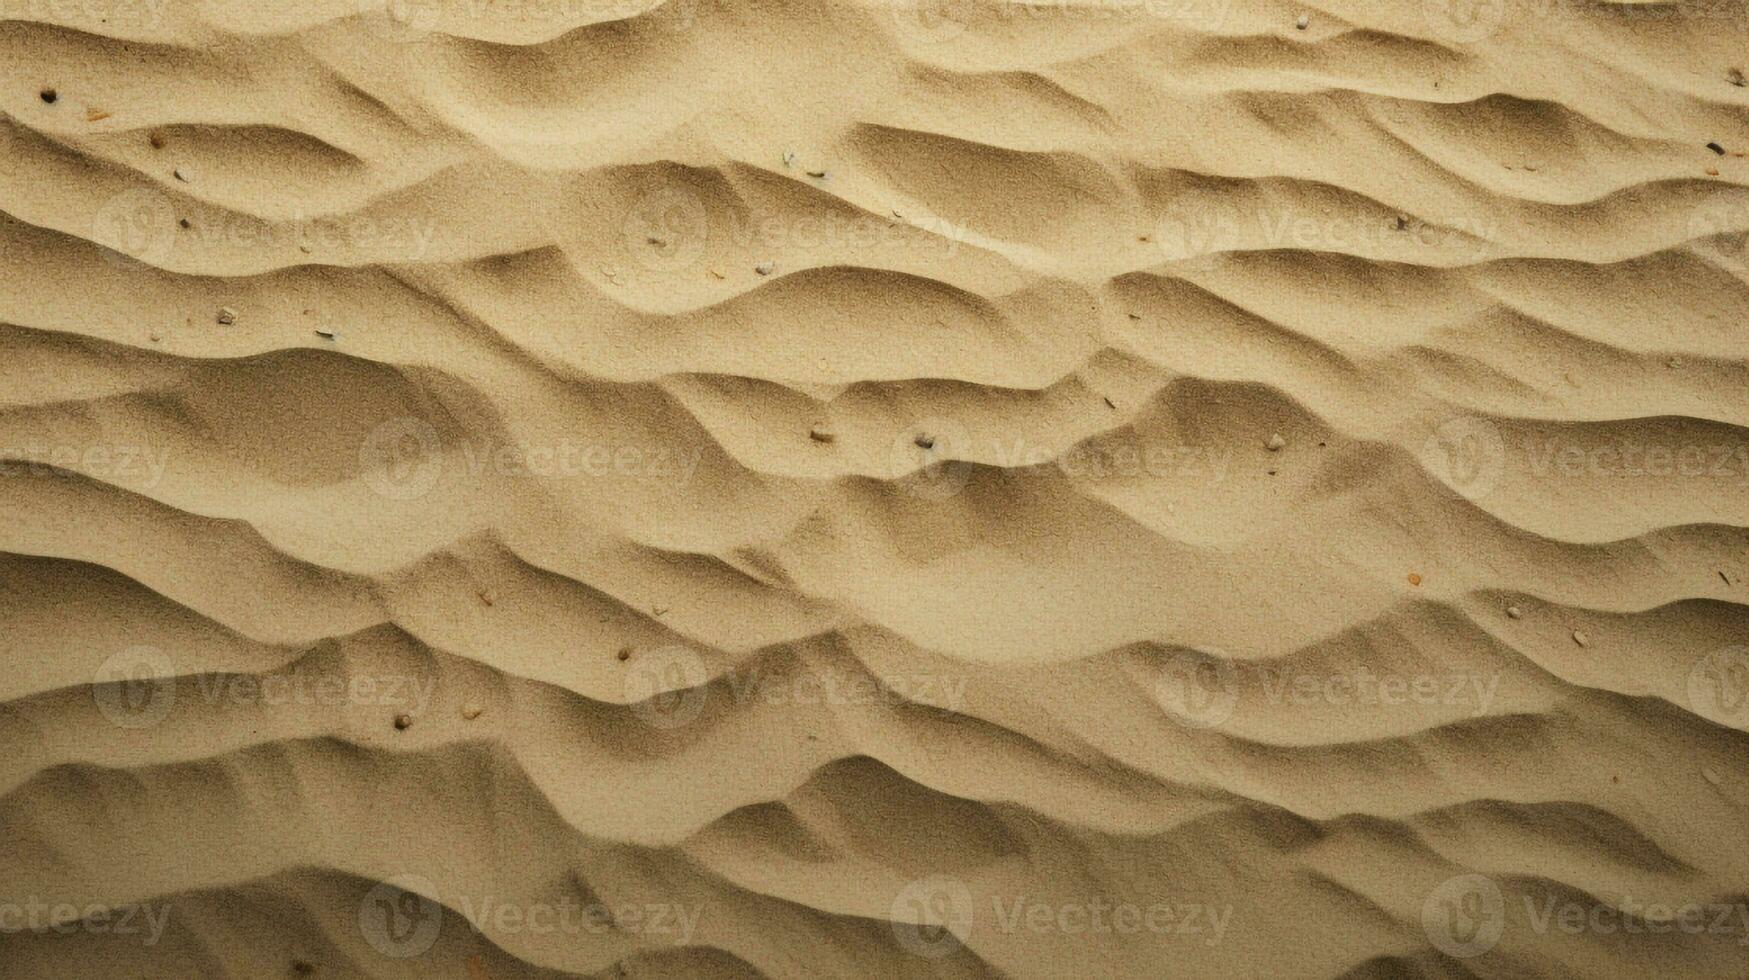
<point x="227" y="316"/>
<point x="924" y="442"/>
<point x="1581" y="638"/>
<point x="471" y="711"/>
<point x="325" y="334"/>
<point x="1735" y="77"/>
<point x="403" y="722"/>
<point x="1304" y="22"/>
<point x="820" y="433"/>
<point x="1414" y="578"/>
<point x="50" y="96"/>
<point x="1716" y="148"/>
<point x="1276" y="443"/>
<point x="94" y="114"/>
<point x="1513" y="612"/>
<point x="765" y="268"/>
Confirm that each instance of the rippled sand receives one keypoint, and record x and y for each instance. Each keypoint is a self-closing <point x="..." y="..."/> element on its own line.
<point x="820" y="489"/>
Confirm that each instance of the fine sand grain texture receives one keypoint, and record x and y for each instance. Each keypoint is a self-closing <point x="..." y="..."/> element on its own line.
<point x="815" y="488"/>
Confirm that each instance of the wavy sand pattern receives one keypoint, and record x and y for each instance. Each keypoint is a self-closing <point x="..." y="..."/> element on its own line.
<point x="819" y="489"/>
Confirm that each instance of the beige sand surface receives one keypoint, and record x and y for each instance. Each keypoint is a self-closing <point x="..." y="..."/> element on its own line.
<point x="808" y="488"/>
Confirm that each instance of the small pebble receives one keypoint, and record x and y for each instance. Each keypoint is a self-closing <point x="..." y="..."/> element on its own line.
<point x="1735" y="77"/>
<point x="227" y="316"/>
<point x="157" y="141"/>
<point x="1276" y="443"/>
<point x="1414" y="578"/>
<point x="625" y="653"/>
<point x="1513" y="612"/>
<point x="181" y="175"/>
<point x="185" y="223"/>
<point x="821" y="434"/>
<point x="487" y="597"/>
<point x="49" y="96"/>
<point x="1304" y="22"/>
<point x="765" y="268"/>
<point x="818" y="174"/>
<point x="325" y="334"/>
<point x="1580" y="638"/>
<point x="403" y="722"/>
<point x="924" y="442"/>
<point x="1716" y="148"/>
<point x="303" y="968"/>
<point x="1710" y="775"/>
<point x="94" y="114"/>
<point x="472" y="711"/>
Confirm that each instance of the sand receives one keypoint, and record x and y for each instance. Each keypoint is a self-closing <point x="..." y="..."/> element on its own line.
<point x="824" y="489"/>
